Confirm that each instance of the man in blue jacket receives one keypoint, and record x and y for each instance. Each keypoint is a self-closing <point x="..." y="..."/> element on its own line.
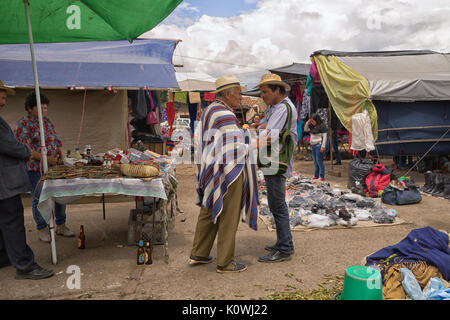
<point x="14" y="182"/>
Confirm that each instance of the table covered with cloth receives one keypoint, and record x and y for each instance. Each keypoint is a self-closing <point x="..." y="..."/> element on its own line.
<point x="65" y="191"/>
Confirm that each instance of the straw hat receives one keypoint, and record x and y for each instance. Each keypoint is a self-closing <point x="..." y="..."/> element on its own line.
<point x="272" y="78"/>
<point x="227" y="82"/>
<point x="8" y="90"/>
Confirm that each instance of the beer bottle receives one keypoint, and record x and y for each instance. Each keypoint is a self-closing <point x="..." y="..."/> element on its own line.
<point x="81" y="239"/>
<point x="149" y="249"/>
<point x="141" y="253"/>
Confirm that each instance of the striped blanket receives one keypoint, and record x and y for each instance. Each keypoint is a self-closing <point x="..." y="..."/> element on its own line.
<point x="222" y="152"/>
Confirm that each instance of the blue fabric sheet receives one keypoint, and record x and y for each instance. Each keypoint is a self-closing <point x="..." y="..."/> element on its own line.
<point x="143" y="63"/>
<point x="424" y="244"/>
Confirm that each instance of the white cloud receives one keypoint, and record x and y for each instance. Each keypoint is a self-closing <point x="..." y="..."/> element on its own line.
<point x="278" y="32"/>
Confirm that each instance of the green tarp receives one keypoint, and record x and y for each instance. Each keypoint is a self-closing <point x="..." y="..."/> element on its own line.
<point x="85" y="20"/>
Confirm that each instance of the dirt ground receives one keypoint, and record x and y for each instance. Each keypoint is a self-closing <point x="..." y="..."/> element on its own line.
<point x="108" y="265"/>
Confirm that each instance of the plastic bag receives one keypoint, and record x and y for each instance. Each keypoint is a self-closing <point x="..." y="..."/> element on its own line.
<point x="358" y="170"/>
<point x="362" y="137"/>
<point x="436" y="290"/>
<point x="318" y="221"/>
<point x="411" y="286"/>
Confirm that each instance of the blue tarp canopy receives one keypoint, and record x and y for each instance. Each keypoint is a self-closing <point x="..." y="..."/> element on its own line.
<point x="143" y="63"/>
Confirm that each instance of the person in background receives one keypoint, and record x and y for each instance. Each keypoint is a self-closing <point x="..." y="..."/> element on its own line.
<point x="318" y="140"/>
<point x="28" y="133"/>
<point x="256" y="121"/>
<point x="14" y="182"/>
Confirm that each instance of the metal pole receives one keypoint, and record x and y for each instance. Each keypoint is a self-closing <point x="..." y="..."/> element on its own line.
<point x="41" y="123"/>
<point x="330" y="133"/>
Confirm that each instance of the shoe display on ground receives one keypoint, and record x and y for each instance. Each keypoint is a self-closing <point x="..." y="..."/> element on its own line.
<point x="233" y="267"/>
<point x="36" y="274"/>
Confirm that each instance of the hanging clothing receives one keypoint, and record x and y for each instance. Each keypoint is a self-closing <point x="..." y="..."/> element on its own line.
<point x="319" y="99"/>
<point x="170" y="112"/>
<point x="180" y="97"/>
<point x="194" y="97"/>
<point x="209" y="96"/>
<point x="305" y="110"/>
<point x="141" y="108"/>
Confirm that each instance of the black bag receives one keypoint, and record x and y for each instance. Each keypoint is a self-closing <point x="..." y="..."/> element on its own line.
<point x="357" y="172"/>
<point x="396" y="196"/>
<point x="281" y="161"/>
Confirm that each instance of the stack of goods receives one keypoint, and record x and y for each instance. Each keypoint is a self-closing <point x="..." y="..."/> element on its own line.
<point x="418" y="267"/>
<point x="317" y="205"/>
<point x="114" y="163"/>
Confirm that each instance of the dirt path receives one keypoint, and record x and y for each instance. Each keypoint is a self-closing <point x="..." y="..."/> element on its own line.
<point x="109" y="271"/>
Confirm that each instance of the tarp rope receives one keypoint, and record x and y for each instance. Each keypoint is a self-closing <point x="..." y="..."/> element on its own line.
<point x="406" y="174"/>
<point x="82" y="118"/>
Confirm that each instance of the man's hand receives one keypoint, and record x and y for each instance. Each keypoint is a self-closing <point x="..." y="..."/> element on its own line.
<point x="322" y="149"/>
<point x="35" y="155"/>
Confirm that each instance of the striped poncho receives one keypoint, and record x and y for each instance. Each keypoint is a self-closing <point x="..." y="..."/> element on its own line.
<point x="222" y="152"/>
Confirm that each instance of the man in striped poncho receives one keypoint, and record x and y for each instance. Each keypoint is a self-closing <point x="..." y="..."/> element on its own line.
<point x="226" y="178"/>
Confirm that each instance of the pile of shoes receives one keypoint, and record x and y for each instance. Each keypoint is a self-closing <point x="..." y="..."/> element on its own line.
<point x="317" y="205"/>
<point x="436" y="184"/>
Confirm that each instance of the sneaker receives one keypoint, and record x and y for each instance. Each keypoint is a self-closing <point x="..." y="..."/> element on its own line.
<point x="275" y="256"/>
<point x="322" y="179"/>
<point x="233" y="267"/>
<point x="44" y="235"/>
<point x="62" y="230"/>
<point x="36" y="274"/>
<point x="199" y="260"/>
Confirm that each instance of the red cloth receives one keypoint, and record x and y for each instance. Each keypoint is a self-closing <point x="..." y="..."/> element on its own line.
<point x="170" y="112"/>
<point x="209" y="96"/>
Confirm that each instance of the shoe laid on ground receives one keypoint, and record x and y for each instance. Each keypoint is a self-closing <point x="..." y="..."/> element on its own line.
<point x="337" y="163"/>
<point x="199" y="260"/>
<point x="322" y="179"/>
<point x="62" y="230"/>
<point x="39" y="273"/>
<point x="314" y="178"/>
<point x="233" y="267"/>
<point x="275" y="256"/>
<point x="44" y="235"/>
<point x="272" y="248"/>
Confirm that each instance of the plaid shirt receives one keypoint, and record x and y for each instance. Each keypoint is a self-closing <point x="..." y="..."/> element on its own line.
<point x="27" y="132"/>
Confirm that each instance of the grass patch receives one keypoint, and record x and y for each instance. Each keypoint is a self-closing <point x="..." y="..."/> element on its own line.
<point x="329" y="287"/>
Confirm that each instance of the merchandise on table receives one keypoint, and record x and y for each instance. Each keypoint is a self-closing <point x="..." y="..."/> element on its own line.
<point x="317" y="205"/>
<point x="115" y="163"/>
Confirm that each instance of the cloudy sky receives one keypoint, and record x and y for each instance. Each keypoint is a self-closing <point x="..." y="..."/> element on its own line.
<point x="247" y="37"/>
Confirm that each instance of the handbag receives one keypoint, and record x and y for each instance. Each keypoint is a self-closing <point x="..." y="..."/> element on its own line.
<point x="152" y="118"/>
<point x="277" y="164"/>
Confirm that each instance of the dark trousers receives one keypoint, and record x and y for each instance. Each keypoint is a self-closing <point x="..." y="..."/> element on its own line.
<point x="276" y="196"/>
<point x="13" y="244"/>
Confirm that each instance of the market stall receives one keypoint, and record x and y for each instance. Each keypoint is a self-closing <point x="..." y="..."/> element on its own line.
<point x="131" y="172"/>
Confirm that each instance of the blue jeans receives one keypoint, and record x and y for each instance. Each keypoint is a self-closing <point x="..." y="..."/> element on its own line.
<point x="319" y="168"/>
<point x="276" y="196"/>
<point x="334" y="142"/>
<point x="60" y="209"/>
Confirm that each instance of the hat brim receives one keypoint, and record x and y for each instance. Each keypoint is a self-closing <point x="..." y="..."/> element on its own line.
<point x="278" y="83"/>
<point x="229" y="87"/>
<point x="9" y="91"/>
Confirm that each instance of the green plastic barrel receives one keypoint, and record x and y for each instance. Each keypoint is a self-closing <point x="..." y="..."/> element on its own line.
<point x="362" y="283"/>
